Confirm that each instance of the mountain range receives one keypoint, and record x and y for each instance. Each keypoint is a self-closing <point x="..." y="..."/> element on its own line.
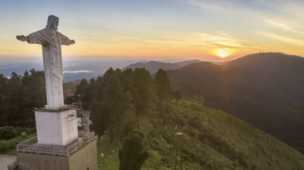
<point x="265" y="90"/>
<point x="154" y="66"/>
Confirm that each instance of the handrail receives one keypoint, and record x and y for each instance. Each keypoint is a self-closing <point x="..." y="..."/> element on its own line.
<point x="30" y="146"/>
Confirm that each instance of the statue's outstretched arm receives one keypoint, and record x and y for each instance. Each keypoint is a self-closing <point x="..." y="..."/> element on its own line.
<point x="36" y="38"/>
<point x="22" y="38"/>
<point x="65" y="40"/>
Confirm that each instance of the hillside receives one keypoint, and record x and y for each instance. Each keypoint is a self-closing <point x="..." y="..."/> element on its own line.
<point x="265" y="90"/>
<point x="212" y="140"/>
<point x="154" y="66"/>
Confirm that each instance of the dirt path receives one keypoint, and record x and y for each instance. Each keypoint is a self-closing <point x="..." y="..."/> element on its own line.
<point x="5" y="160"/>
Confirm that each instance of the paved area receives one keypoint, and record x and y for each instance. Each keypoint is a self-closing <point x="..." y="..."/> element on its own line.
<point x="5" y="160"/>
<point x="86" y="113"/>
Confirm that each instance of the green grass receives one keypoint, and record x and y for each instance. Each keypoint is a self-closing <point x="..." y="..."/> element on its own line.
<point x="211" y="140"/>
<point x="70" y="86"/>
<point x="16" y="140"/>
<point x="110" y="160"/>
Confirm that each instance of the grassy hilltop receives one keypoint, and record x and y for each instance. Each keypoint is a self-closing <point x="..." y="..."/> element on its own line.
<point x="264" y="90"/>
<point x="212" y="140"/>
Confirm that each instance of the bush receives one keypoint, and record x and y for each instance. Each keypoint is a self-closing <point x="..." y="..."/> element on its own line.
<point x="6" y="145"/>
<point x="33" y="130"/>
<point x="23" y="134"/>
<point x="7" y="132"/>
<point x="19" y="130"/>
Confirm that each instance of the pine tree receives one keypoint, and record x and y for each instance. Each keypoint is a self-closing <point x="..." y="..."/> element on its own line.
<point x="117" y="104"/>
<point x="163" y="86"/>
<point x="99" y="118"/>
<point x="142" y="91"/>
<point x="3" y="100"/>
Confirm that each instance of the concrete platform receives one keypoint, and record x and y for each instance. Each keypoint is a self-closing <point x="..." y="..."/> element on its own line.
<point x="5" y="160"/>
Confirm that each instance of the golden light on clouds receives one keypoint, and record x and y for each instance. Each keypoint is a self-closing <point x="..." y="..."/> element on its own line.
<point x="223" y="52"/>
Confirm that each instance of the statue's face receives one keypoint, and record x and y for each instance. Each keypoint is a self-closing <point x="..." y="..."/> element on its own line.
<point x="55" y="24"/>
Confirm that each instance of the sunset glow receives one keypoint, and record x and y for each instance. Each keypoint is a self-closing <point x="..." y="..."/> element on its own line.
<point x="222" y="53"/>
<point x="201" y="29"/>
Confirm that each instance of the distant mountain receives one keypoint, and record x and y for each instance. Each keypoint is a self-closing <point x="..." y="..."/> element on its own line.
<point x="73" y="69"/>
<point x="266" y="90"/>
<point x="154" y="66"/>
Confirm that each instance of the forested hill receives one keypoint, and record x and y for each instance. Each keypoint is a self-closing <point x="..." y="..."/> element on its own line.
<point x="154" y="66"/>
<point x="182" y="133"/>
<point x="266" y="90"/>
<point x="177" y="132"/>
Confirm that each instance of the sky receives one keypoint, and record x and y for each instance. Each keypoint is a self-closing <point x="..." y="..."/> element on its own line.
<point x="203" y="29"/>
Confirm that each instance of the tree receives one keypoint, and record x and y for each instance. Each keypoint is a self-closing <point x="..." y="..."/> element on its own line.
<point x="114" y="110"/>
<point x="89" y="93"/>
<point x="117" y="104"/>
<point x="19" y="95"/>
<point x="99" y="118"/>
<point x="163" y="86"/>
<point x="142" y="91"/>
<point x="16" y="100"/>
<point x="133" y="155"/>
<point x="80" y="89"/>
<point x="177" y="95"/>
<point x="126" y="79"/>
<point x="3" y="100"/>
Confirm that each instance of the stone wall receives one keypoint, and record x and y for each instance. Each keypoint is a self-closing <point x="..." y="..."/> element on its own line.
<point x="28" y="161"/>
<point x="84" y="158"/>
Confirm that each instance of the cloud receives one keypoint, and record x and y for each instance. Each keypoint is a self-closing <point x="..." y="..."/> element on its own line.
<point x="293" y="7"/>
<point x="209" y="6"/>
<point x="202" y="40"/>
<point x="282" y="38"/>
<point x="283" y="26"/>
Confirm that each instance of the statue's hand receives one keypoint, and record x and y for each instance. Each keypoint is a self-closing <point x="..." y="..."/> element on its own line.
<point x="72" y="42"/>
<point x="21" y="38"/>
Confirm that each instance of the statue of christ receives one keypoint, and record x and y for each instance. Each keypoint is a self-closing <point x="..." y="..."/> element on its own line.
<point x="51" y="41"/>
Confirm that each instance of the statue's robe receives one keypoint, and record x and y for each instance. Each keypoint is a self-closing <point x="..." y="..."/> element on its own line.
<point x="51" y="42"/>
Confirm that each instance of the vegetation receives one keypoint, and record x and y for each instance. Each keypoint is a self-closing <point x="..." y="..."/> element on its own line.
<point x="179" y="134"/>
<point x="265" y="90"/>
<point x="10" y="136"/>
<point x="187" y="135"/>
<point x="132" y="155"/>
<point x="174" y="133"/>
<point x="119" y="99"/>
<point x="69" y="89"/>
<point x="19" y="95"/>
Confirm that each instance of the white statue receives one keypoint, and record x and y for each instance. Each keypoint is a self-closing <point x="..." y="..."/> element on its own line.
<point x="51" y="41"/>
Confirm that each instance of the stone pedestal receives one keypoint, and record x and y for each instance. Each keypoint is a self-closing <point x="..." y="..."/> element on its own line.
<point x="56" y="127"/>
<point x="83" y="159"/>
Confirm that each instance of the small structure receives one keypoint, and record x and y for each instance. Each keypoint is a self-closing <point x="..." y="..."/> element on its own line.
<point x="58" y="145"/>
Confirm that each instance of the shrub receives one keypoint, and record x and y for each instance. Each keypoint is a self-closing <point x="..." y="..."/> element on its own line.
<point x="27" y="130"/>
<point x="19" y="130"/>
<point x="6" y="145"/>
<point x="33" y="130"/>
<point x="7" y="132"/>
<point x="133" y="154"/>
<point x="23" y="134"/>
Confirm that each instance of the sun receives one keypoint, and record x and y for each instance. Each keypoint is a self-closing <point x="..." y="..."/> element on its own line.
<point x="222" y="53"/>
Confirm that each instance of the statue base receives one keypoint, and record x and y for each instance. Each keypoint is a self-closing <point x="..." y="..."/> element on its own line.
<point x="85" y="157"/>
<point x="56" y="127"/>
<point x="65" y="107"/>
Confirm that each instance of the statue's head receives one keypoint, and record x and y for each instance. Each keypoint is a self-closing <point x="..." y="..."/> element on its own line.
<point x="53" y="22"/>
